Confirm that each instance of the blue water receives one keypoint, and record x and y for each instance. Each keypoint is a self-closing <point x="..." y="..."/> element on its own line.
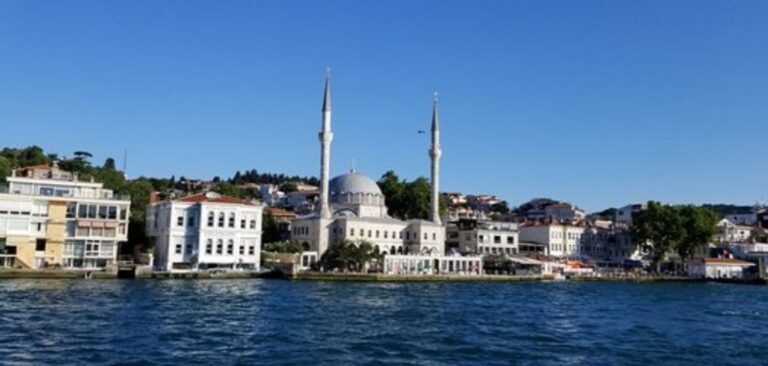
<point x="246" y="322"/>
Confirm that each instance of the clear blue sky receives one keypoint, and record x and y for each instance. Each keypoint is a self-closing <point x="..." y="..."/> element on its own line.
<point x="600" y="103"/>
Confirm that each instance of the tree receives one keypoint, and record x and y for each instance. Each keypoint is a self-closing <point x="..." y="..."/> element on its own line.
<point x="699" y="225"/>
<point x="109" y="164"/>
<point x="416" y="197"/>
<point x="500" y="207"/>
<point x="270" y="229"/>
<point x="659" y="229"/>
<point x="288" y="187"/>
<point x="348" y="255"/>
<point x="289" y="246"/>
<point x="5" y="168"/>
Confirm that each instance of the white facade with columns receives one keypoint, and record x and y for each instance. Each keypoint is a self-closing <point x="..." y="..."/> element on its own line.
<point x="351" y="206"/>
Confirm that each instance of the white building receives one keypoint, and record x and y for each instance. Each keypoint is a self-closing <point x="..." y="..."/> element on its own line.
<point x="728" y="232"/>
<point x="351" y="206"/>
<point x="484" y="237"/>
<point x="205" y="231"/>
<point x="625" y="214"/>
<point x="749" y="219"/>
<point x="49" y="218"/>
<point x="718" y="268"/>
<point x="556" y="239"/>
<point x="564" y="212"/>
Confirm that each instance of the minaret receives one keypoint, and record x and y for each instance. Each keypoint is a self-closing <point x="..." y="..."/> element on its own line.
<point x="325" y="136"/>
<point x="434" y="155"/>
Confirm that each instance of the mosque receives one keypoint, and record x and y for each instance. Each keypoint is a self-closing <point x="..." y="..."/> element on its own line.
<point x="351" y="206"/>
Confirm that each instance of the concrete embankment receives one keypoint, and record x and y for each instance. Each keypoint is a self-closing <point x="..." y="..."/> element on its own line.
<point x="55" y="274"/>
<point x="370" y="277"/>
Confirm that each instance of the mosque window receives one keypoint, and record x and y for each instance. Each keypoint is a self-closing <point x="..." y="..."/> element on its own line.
<point x="230" y="247"/>
<point x="209" y="246"/>
<point x="210" y="219"/>
<point x="221" y="219"/>
<point x="219" y="246"/>
<point x="232" y="219"/>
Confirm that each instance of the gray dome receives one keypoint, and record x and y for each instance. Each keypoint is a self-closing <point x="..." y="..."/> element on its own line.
<point x="353" y="183"/>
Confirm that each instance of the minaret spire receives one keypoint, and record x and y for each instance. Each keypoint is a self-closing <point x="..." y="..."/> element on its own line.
<point x="325" y="136"/>
<point x="434" y="155"/>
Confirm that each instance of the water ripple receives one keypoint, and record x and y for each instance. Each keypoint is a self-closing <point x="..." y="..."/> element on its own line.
<point x="251" y="322"/>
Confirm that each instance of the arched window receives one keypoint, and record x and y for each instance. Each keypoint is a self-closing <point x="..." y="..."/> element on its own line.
<point x="210" y="218"/>
<point x="232" y="219"/>
<point x="434" y="236"/>
<point x="209" y="246"/>
<point x="219" y="246"/>
<point x="221" y="219"/>
<point x="377" y="233"/>
<point x="230" y="247"/>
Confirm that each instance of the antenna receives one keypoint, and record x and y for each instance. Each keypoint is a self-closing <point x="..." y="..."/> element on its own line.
<point x="125" y="162"/>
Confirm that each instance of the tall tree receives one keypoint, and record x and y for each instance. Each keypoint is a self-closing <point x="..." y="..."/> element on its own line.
<point x="109" y="164"/>
<point x="659" y="229"/>
<point x="699" y="225"/>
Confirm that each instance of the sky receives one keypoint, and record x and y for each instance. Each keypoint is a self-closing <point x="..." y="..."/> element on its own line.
<point x="599" y="103"/>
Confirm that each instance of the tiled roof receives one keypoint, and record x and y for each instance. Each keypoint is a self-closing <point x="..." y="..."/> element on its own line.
<point x="214" y="198"/>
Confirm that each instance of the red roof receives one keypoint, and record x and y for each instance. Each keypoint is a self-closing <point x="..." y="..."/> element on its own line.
<point x="730" y="261"/>
<point x="216" y="198"/>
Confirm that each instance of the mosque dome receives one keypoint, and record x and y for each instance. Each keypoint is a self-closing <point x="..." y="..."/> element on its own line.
<point x="355" y="188"/>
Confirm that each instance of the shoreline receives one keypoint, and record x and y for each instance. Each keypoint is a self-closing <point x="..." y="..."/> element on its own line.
<point x="347" y="277"/>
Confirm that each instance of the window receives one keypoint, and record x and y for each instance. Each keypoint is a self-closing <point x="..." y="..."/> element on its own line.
<point x="497" y="239"/>
<point x="370" y="233"/>
<point x="510" y="240"/>
<point x="188" y="247"/>
<point x="394" y="235"/>
<point x="219" y="246"/>
<point x="425" y="236"/>
<point x="232" y="219"/>
<point x="209" y="246"/>
<point x="191" y="221"/>
<point x="40" y="245"/>
<point x="251" y="250"/>
<point x="242" y="249"/>
<point x="230" y="247"/>
<point x="112" y="212"/>
<point x="178" y="248"/>
<point x="221" y="219"/>
<point x="180" y="221"/>
<point x="102" y="212"/>
<point x="480" y="238"/>
<point x="377" y="233"/>
<point x="434" y="236"/>
<point x="407" y="235"/>
<point x="82" y="211"/>
<point x="242" y="223"/>
<point x="352" y="232"/>
<point x="71" y="210"/>
<point x="386" y="234"/>
<point x="123" y="213"/>
<point x="401" y="235"/>
<point x="210" y="218"/>
<point x="253" y="224"/>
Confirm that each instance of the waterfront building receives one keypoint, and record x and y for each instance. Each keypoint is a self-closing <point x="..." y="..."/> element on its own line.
<point x="624" y="215"/>
<point x="205" y="231"/>
<point x="564" y="212"/>
<point x="483" y="237"/>
<point x="729" y="232"/>
<point x="49" y="218"/>
<point x="560" y="240"/>
<point x="718" y="268"/>
<point x="352" y="207"/>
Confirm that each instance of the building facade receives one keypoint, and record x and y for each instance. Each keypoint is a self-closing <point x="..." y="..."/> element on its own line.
<point x="483" y="237"/>
<point x="205" y="231"/>
<point x="555" y="239"/>
<point x="50" y="219"/>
